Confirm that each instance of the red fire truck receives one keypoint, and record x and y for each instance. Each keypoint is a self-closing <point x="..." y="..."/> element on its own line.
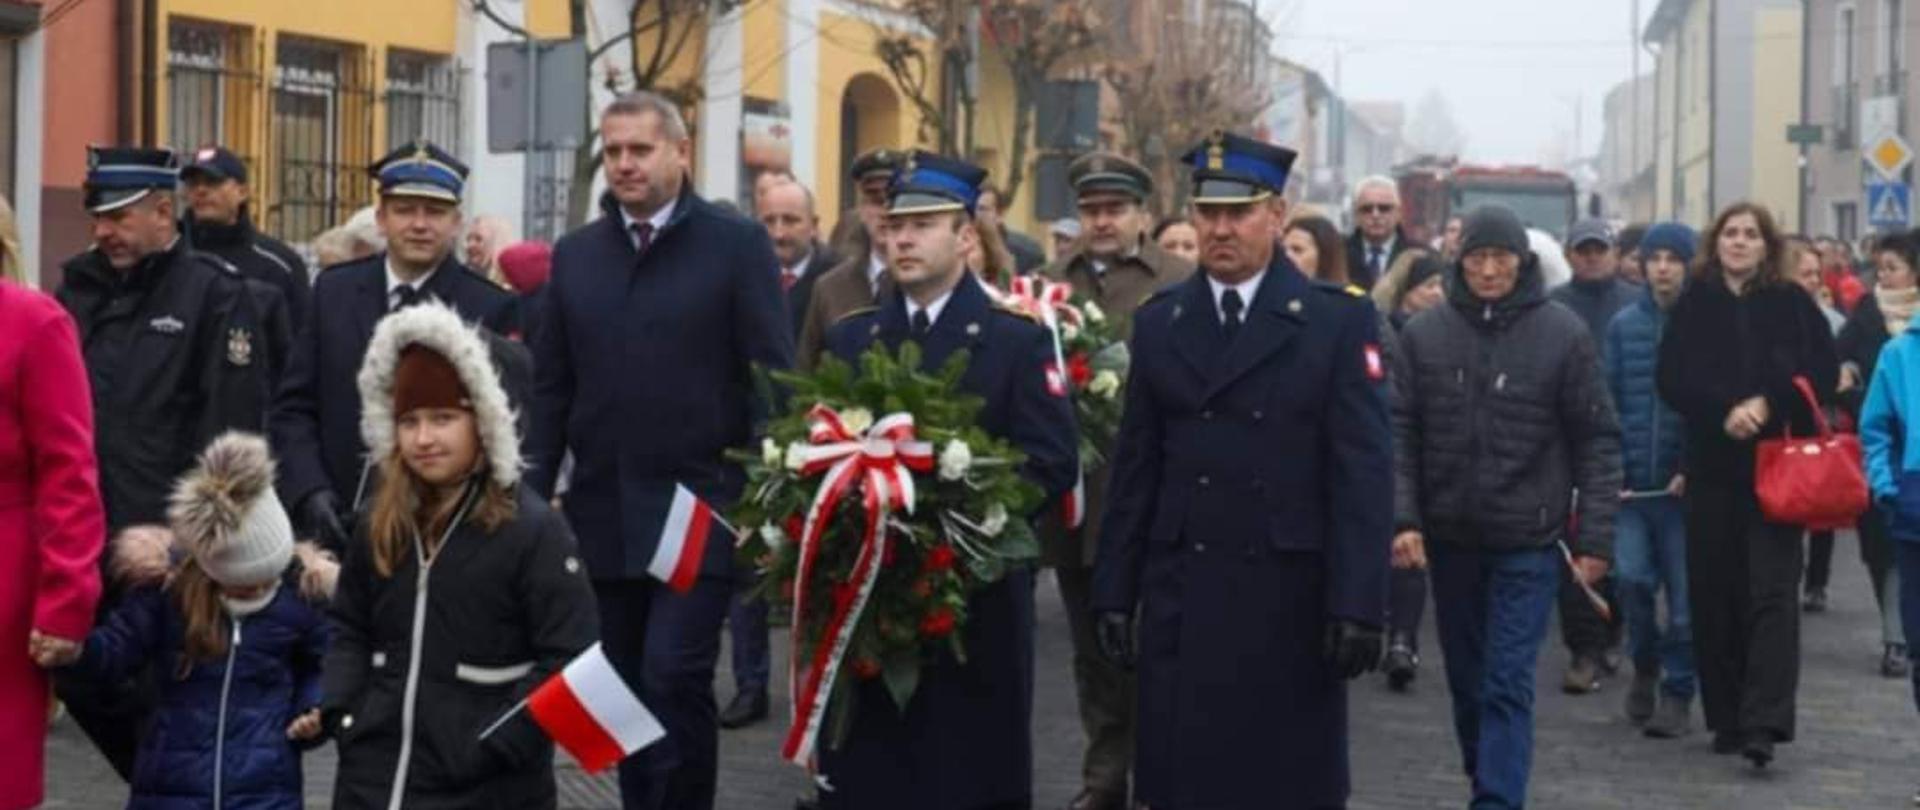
<point x="1435" y="188"/>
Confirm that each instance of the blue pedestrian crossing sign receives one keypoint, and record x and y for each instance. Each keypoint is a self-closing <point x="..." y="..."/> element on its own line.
<point x="1889" y="205"/>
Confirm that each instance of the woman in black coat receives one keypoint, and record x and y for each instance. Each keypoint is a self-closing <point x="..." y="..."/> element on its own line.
<point x="1875" y="320"/>
<point x="1737" y="338"/>
<point x="461" y="590"/>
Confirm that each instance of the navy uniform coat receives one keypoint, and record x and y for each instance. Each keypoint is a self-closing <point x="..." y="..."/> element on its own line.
<point x="316" y="419"/>
<point x="965" y="739"/>
<point x="1250" y="505"/>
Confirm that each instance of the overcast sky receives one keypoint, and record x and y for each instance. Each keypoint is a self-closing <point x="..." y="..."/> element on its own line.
<point x="1511" y="69"/>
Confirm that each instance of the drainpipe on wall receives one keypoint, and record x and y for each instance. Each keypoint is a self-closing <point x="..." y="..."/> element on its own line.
<point x="123" y="38"/>
<point x="1806" y="74"/>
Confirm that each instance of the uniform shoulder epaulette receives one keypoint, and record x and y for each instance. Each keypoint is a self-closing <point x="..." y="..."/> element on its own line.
<point x="1164" y="292"/>
<point x="855" y="313"/>
<point x="1345" y="290"/>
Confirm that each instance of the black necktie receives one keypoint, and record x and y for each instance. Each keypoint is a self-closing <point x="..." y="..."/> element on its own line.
<point x="921" y="323"/>
<point x="1231" y="306"/>
<point x="1373" y="260"/>
<point x="642" y="236"/>
<point x="404" y="296"/>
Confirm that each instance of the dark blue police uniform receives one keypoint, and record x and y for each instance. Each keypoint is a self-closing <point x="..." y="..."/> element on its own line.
<point x="964" y="741"/>
<point x="1249" y="516"/>
<point x="316" y="418"/>
<point x="644" y="367"/>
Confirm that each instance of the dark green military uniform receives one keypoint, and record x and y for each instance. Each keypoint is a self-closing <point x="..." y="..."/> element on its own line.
<point x="1117" y="284"/>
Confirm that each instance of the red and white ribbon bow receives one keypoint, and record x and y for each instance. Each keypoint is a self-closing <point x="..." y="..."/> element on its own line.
<point x="880" y="461"/>
<point x="1051" y="302"/>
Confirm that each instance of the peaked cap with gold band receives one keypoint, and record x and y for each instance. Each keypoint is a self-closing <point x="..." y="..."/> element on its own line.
<point x="927" y="183"/>
<point x="1230" y="169"/>
<point x="421" y="169"/>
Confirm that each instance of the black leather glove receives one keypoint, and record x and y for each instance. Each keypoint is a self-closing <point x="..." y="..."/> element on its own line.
<point x="320" y="513"/>
<point x="1113" y="630"/>
<point x="1353" y="648"/>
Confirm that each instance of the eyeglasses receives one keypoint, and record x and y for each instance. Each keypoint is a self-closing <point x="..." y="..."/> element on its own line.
<point x="1376" y="208"/>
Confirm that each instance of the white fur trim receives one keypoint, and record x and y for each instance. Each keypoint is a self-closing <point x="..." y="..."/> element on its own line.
<point x="435" y="326"/>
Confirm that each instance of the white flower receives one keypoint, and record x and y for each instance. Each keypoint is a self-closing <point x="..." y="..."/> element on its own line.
<point x="955" y="458"/>
<point x="1092" y="312"/>
<point x="856" y="420"/>
<point x="996" y="520"/>
<point x="796" y="456"/>
<point x="770" y="453"/>
<point x="1068" y="331"/>
<point x="773" y="536"/>
<point x="1105" y="384"/>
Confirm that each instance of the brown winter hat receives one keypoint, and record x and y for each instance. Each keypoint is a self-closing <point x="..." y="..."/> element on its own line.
<point x="424" y="378"/>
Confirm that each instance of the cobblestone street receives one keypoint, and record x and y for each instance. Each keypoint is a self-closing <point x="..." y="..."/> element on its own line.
<point x="1857" y="748"/>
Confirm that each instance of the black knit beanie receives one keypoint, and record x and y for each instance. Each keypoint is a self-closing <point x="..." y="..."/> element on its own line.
<point x="1493" y="226"/>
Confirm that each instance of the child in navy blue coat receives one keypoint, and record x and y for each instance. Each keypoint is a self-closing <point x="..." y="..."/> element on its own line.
<point x="232" y="635"/>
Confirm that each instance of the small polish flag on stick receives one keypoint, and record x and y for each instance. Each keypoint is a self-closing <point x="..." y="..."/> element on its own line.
<point x="588" y="710"/>
<point x="1073" y="508"/>
<point x="682" y="539"/>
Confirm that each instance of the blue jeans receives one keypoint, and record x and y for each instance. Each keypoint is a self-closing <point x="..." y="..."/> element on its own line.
<point x="747" y="624"/>
<point x="1650" y="552"/>
<point x="1491" y="608"/>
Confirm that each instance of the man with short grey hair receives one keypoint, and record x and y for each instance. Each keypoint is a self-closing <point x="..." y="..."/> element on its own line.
<point x="1376" y="240"/>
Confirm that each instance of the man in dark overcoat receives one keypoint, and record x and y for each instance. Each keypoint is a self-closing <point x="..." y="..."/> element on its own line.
<point x="1248" y="524"/>
<point x="654" y="321"/>
<point x="964" y="740"/>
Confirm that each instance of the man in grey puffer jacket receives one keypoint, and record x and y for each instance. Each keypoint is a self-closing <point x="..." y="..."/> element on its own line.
<point x="1500" y="414"/>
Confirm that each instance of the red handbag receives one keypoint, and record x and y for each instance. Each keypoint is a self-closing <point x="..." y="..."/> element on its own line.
<point x="1816" y="482"/>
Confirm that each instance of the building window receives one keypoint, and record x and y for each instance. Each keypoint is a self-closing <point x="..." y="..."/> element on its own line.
<point x="196" y="84"/>
<point x="423" y="100"/>
<point x="1846" y="107"/>
<point x="322" y="126"/>
<point x="1846" y="221"/>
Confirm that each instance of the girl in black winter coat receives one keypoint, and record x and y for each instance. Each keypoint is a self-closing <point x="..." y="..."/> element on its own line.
<point x="1736" y="340"/>
<point x="461" y="591"/>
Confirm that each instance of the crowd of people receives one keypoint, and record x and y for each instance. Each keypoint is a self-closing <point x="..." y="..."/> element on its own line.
<point x="253" y="508"/>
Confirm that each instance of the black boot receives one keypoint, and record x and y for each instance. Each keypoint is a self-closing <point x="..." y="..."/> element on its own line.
<point x="1893" y="662"/>
<point x="1758" y="748"/>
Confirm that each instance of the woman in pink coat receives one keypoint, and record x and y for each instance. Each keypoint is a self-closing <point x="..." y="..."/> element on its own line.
<point x="51" y="522"/>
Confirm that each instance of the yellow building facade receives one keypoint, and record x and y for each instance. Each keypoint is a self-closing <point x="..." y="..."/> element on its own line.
<point x="310" y="93"/>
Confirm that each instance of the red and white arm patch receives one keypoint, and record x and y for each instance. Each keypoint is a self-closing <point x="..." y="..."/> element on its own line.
<point x="1376" y="368"/>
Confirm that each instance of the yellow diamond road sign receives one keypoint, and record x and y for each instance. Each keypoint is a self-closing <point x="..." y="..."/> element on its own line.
<point x="1889" y="155"/>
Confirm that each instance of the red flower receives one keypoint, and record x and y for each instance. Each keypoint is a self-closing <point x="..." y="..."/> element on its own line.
<point x="923" y="587"/>
<point x="794" y="526"/>
<point x="866" y="669"/>
<point x="1079" y="370"/>
<point x="938" y="623"/>
<point x="939" y="559"/>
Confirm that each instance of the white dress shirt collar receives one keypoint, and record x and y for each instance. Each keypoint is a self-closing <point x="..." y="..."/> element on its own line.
<point x="394" y="282"/>
<point x="658" y="220"/>
<point x="933" y="308"/>
<point x="1245" y="288"/>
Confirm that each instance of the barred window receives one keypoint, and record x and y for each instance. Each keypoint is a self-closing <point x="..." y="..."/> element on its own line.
<point x="306" y="124"/>
<point x="196" y="67"/>
<point x="423" y="100"/>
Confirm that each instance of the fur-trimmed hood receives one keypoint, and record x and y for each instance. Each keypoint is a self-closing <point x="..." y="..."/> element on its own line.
<point x="437" y="327"/>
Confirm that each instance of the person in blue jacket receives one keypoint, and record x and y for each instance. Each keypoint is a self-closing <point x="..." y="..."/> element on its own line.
<point x="234" y="636"/>
<point x="1892" y="460"/>
<point x="1650" y="532"/>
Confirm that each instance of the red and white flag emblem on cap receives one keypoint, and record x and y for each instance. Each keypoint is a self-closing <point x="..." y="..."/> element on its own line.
<point x="1376" y="369"/>
<point x="588" y="710"/>
<point x="1073" y="508"/>
<point x="682" y="539"/>
<point x="1056" y="381"/>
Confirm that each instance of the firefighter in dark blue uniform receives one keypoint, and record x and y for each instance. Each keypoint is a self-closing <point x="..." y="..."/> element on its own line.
<point x="1249" y="516"/>
<point x="316" y="419"/>
<point x="963" y="742"/>
<point x="175" y="355"/>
